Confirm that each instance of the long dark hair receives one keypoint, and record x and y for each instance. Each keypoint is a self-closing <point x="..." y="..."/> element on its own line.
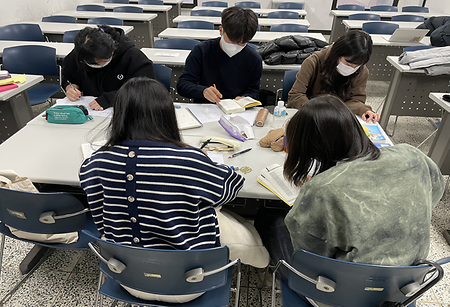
<point x="95" y="43"/>
<point x="324" y="129"/>
<point x="143" y="110"/>
<point x="356" y="45"/>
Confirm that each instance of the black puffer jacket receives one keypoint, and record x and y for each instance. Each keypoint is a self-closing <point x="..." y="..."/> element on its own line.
<point x="291" y="49"/>
<point x="439" y="30"/>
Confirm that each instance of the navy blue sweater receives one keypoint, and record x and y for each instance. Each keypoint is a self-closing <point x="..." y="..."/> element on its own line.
<point x="208" y="64"/>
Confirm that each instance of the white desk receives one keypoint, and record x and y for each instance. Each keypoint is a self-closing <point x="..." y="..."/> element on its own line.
<point x="202" y="34"/>
<point x="15" y="109"/>
<point x="263" y="22"/>
<point x="338" y="29"/>
<point x="159" y="23"/>
<point x="275" y="3"/>
<point x="143" y="33"/>
<point x="440" y="149"/>
<point x="62" y="49"/>
<point x="55" y="30"/>
<point x="357" y="24"/>
<point x="260" y="12"/>
<point x="174" y="3"/>
<point x="408" y="92"/>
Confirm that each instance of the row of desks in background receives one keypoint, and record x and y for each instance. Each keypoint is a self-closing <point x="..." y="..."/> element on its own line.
<point x="338" y="28"/>
<point x="260" y="12"/>
<point x="265" y="23"/>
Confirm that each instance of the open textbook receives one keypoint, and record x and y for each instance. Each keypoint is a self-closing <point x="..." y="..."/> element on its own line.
<point x="186" y="119"/>
<point x="229" y="106"/>
<point x="272" y="178"/>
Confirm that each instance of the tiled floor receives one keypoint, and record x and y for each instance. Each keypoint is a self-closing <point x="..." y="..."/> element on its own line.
<point x="69" y="278"/>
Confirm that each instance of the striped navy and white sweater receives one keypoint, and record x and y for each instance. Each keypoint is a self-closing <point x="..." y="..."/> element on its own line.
<point x="157" y="195"/>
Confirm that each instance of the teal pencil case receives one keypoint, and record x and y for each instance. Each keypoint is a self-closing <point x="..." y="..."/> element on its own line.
<point x="70" y="114"/>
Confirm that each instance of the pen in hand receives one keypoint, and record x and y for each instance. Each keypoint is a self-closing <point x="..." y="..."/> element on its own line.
<point x="71" y="85"/>
<point x="239" y="153"/>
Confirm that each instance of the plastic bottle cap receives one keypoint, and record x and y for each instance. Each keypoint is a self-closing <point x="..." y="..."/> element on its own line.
<point x="280" y="103"/>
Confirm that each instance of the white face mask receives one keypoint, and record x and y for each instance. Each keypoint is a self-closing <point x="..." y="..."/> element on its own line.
<point x="230" y="49"/>
<point x="97" y="65"/>
<point x="346" y="70"/>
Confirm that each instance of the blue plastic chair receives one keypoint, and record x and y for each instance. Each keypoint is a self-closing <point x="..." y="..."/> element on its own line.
<point x="248" y="4"/>
<point x="91" y="7"/>
<point x="288" y="27"/>
<point x="351" y="7"/>
<point x="22" y="32"/>
<point x="388" y="8"/>
<point x="196" y="24"/>
<point x="166" y="272"/>
<point x="164" y="75"/>
<point x="379" y="27"/>
<point x="340" y="283"/>
<point x="151" y="2"/>
<point x="364" y="16"/>
<point x="283" y="14"/>
<point x="416" y="9"/>
<point x="105" y="20"/>
<point x="45" y="214"/>
<point x="64" y="19"/>
<point x="415" y="18"/>
<point x="211" y="13"/>
<point x="288" y="81"/>
<point x="415" y="48"/>
<point x="176" y="43"/>
<point x="291" y="5"/>
<point x="116" y="1"/>
<point x="128" y="9"/>
<point x="215" y="3"/>
<point x="34" y="60"/>
<point x="69" y="36"/>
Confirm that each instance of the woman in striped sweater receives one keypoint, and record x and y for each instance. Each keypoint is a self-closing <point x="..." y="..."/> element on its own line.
<point x="146" y="187"/>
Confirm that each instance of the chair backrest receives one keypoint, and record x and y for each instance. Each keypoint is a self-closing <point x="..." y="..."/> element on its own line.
<point x="22" y="210"/>
<point x="288" y="27"/>
<point x="249" y="4"/>
<point x="167" y="267"/>
<point x="356" y="284"/>
<point x="128" y="9"/>
<point x="413" y="8"/>
<point x="176" y="43"/>
<point x="116" y="1"/>
<point x="65" y="19"/>
<point x="363" y="16"/>
<point x="291" y="5"/>
<point x="388" y="8"/>
<point x="163" y="74"/>
<point x="415" y="48"/>
<point x="351" y="7"/>
<point x="254" y="46"/>
<point x="105" y="20"/>
<point x="69" y="36"/>
<point x="151" y="2"/>
<point x="283" y="14"/>
<point x="212" y="13"/>
<point x="22" y="32"/>
<point x="288" y="82"/>
<point x="215" y="3"/>
<point x="91" y="7"/>
<point x="196" y="24"/>
<point x="415" y="18"/>
<point x="379" y="27"/>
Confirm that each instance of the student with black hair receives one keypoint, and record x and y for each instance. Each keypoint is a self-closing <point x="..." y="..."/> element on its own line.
<point x="103" y="59"/>
<point x="224" y="67"/>
<point x="339" y="70"/>
<point x="363" y="204"/>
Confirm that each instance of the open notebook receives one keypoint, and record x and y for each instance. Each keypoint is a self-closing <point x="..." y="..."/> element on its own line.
<point x="186" y="119"/>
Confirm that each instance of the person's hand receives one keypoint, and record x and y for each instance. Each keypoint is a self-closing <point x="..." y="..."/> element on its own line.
<point x="212" y="94"/>
<point x="205" y="151"/>
<point x="371" y="116"/>
<point x="238" y="97"/>
<point x="73" y="94"/>
<point x="95" y="106"/>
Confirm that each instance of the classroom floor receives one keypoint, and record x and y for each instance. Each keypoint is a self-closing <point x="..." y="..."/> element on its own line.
<point x="69" y="278"/>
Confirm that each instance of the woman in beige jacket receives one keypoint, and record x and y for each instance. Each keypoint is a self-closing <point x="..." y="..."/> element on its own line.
<point x="339" y="70"/>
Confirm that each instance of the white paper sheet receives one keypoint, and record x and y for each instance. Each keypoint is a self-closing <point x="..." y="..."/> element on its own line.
<point x="85" y="100"/>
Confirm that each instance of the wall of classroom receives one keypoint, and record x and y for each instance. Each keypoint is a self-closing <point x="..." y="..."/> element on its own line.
<point x="34" y="10"/>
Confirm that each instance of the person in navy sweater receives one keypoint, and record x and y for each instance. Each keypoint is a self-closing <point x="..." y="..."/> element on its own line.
<point x="225" y="67"/>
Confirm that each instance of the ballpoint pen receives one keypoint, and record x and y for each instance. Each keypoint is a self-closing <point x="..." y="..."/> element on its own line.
<point x="205" y="143"/>
<point x="239" y="153"/>
<point x="71" y="85"/>
<point x="216" y="89"/>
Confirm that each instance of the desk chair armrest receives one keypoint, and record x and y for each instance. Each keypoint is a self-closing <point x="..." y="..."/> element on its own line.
<point x="113" y="264"/>
<point x="278" y="95"/>
<point x="197" y="275"/>
<point x="50" y="217"/>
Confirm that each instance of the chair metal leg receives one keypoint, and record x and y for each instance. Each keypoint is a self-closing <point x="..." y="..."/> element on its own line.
<point x="238" y="285"/>
<point x="98" y="297"/>
<point x="2" y="246"/>
<point x="393" y="129"/>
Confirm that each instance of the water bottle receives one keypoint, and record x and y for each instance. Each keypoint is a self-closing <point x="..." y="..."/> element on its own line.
<point x="279" y="115"/>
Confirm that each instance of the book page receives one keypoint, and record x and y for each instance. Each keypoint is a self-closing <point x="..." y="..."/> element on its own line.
<point x="186" y="119"/>
<point x="277" y="183"/>
<point x="247" y="102"/>
<point x="231" y="106"/>
<point x="206" y="113"/>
